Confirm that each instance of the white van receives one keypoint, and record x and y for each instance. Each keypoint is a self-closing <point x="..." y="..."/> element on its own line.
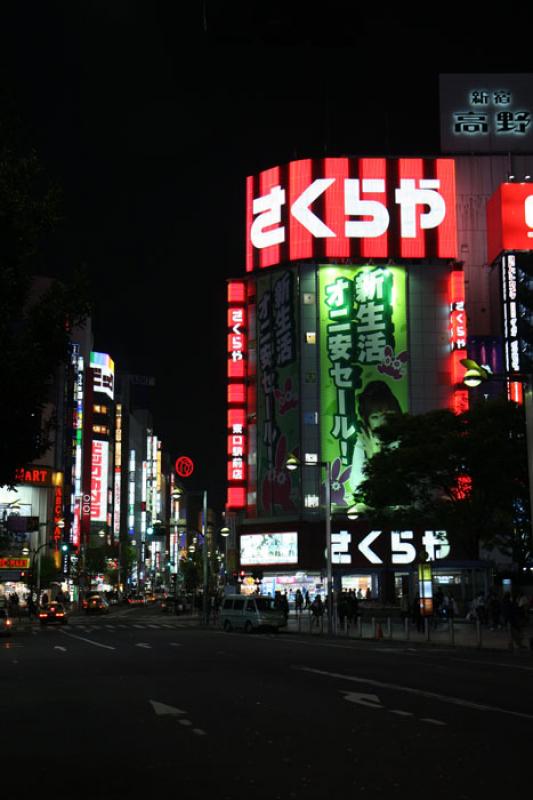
<point x="250" y="613"/>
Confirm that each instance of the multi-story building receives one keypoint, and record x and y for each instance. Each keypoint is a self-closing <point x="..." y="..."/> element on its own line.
<point x="364" y="279"/>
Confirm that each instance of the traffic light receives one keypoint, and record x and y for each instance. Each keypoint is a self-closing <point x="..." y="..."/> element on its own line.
<point x="65" y="547"/>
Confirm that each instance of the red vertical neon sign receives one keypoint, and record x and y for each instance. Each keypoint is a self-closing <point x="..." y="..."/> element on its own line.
<point x="237" y="373"/>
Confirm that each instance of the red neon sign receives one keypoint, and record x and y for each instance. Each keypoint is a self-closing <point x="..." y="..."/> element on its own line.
<point x="184" y="466"/>
<point x="458" y="340"/>
<point x="237" y="394"/>
<point x="351" y="208"/>
<point x="510" y="219"/>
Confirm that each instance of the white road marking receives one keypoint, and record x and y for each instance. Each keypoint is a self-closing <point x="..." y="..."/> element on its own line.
<point x="367" y="700"/>
<point x="138" y="626"/>
<point x="144" y="644"/>
<point x="401" y="713"/>
<point x="185" y="722"/>
<point x="89" y="641"/>
<point x="110" y="627"/>
<point x="161" y="709"/>
<point x="457" y="701"/>
<point x="432" y="721"/>
<point x="153" y="626"/>
<point x="174" y="644"/>
<point x="57" y="647"/>
<point x="199" y="732"/>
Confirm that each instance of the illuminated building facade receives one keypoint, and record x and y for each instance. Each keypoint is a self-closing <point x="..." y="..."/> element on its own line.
<point x="365" y="278"/>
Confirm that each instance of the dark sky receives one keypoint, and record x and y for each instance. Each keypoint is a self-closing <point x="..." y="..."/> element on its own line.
<point x="151" y="114"/>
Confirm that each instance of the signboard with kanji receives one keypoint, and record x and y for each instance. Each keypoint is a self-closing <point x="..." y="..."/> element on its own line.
<point x="364" y="365"/>
<point x="486" y="113"/>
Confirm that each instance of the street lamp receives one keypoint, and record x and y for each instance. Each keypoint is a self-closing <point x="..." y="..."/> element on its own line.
<point x="225" y="532"/>
<point x="176" y="494"/>
<point x="292" y="463"/>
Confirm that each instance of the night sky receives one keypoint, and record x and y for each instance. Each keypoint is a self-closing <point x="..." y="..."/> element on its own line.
<point x="151" y="115"/>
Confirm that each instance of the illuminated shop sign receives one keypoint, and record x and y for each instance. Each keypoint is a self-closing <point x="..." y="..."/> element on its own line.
<point x="103" y="368"/>
<point x="38" y="476"/>
<point x="363" y="363"/>
<point x="269" y="548"/>
<point x="58" y="513"/>
<point x="381" y="547"/>
<point x="510" y="219"/>
<point x="458" y="336"/>
<point x="99" y="480"/>
<point x="351" y="208"/>
<point x="237" y="398"/>
<point x="14" y="563"/>
<point x="486" y="113"/>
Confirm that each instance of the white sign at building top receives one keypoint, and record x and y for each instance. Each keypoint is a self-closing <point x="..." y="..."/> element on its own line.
<point x="486" y="113"/>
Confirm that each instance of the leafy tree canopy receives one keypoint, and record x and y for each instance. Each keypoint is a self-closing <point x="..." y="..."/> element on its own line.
<point x="466" y="473"/>
<point x="36" y="314"/>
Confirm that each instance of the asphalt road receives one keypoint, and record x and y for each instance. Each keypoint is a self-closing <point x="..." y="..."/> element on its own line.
<point x="137" y="704"/>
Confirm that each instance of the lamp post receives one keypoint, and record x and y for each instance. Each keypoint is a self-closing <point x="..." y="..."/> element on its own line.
<point x="293" y="463"/>
<point x="225" y="532"/>
<point x="177" y="493"/>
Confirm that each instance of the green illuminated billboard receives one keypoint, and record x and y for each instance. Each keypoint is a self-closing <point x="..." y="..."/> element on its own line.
<point x="363" y="365"/>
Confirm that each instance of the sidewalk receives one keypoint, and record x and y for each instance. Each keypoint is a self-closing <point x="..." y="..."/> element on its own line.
<point x="456" y="632"/>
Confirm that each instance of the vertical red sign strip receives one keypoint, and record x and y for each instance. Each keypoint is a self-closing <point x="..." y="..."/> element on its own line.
<point x="447" y="230"/>
<point x="249" y="220"/>
<point x="267" y="180"/>
<point x="301" y="243"/>
<point x="237" y="372"/>
<point x="458" y="334"/>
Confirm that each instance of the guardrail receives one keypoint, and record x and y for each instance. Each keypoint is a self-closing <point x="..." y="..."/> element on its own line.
<point x="455" y="631"/>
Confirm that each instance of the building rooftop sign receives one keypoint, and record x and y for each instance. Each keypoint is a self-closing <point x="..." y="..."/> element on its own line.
<point x="351" y="208"/>
<point x="486" y="113"/>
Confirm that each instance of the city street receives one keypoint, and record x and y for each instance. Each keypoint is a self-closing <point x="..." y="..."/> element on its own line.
<point x="136" y="703"/>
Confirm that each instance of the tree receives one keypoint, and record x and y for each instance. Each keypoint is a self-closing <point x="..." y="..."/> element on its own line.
<point x="465" y="473"/>
<point x="36" y="315"/>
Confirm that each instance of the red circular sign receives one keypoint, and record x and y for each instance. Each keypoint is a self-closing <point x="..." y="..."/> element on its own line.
<point x="184" y="466"/>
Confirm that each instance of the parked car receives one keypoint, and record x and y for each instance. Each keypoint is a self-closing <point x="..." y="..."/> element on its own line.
<point x="95" y="604"/>
<point x="6" y="623"/>
<point x="250" y="613"/>
<point x="53" y="613"/>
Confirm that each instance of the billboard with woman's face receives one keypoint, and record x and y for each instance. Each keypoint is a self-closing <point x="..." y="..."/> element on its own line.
<point x="363" y="364"/>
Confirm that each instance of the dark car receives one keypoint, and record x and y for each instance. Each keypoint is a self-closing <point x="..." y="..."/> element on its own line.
<point x="95" y="604"/>
<point x="53" y="613"/>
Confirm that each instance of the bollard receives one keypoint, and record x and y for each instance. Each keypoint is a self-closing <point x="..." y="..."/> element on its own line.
<point x="426" y="628"/>
<point x="451" y="631"/>
<point x="478" y="633"/>
<point x="360" y="627"/>
<point x="346" y="626"/>
<point x="407" y="629"/>
<point x="389" y="628"/>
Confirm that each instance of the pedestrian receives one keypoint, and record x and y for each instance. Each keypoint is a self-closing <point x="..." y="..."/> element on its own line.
<point x="517" y="621"/>
<point x="44" y="600"/>
<point x="284" y="605"/>
<point x="307" y="599"/>
<point x="494" y="610"/>
<point x="299" y="600"/>
<point x="317" y="609"/>
<point x="352" y="608"/>
<point x="342" y="609"/>
<point x="368" y="593"/>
